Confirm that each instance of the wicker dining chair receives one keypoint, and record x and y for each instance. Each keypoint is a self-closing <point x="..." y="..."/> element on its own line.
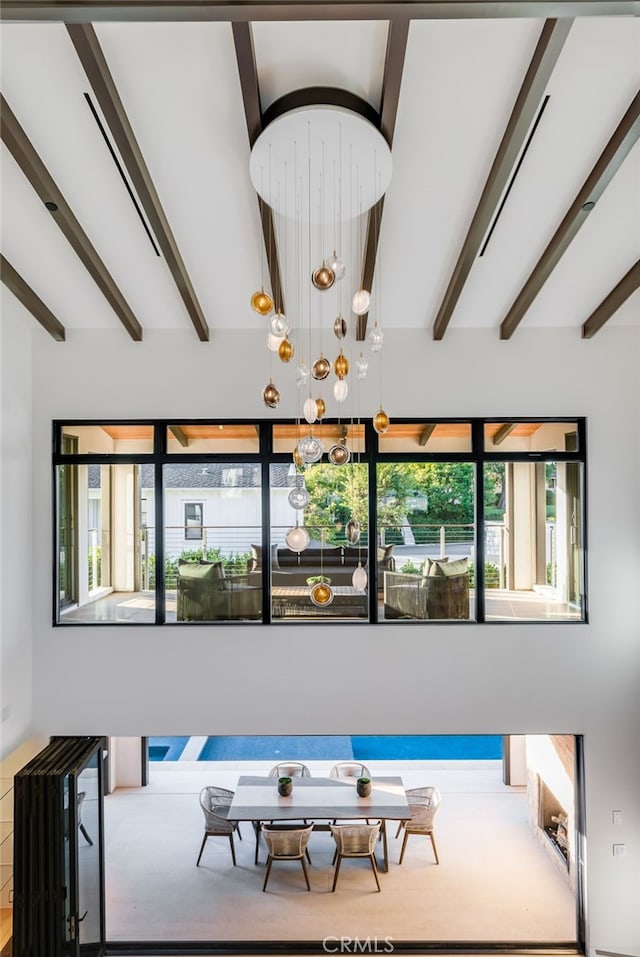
<point x="423" y="806"/>
<point x="215" y="804"/>
<point x="355" y="840"/>
<point x="349" y="769"/>
<point x="286" y="844"/>
<point x="290" y="769"/>
<point x="286" y="769"/>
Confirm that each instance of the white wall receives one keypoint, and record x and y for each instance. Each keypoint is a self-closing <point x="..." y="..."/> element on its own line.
<point x="16" y="560"/>
<point x="423" y="678"/>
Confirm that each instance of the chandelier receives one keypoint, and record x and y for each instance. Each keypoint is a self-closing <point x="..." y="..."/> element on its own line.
<point x="320" y="169"/>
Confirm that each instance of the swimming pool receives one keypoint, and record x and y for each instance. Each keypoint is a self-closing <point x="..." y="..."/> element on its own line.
<point x="408" y="747"/>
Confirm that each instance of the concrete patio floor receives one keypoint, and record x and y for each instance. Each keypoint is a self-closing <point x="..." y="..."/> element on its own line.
<point x="496" y="881"/>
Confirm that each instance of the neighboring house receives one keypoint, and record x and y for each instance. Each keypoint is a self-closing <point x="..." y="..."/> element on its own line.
<point x="216" y="506"/>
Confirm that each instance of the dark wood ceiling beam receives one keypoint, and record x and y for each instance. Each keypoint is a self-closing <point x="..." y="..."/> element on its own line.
<point x="41" y="180"/>
<point x="629" y="283"/>
<point x="503" y="432"/>
<point x="397" y="37"/>
<point x="372" y="237"/>
<point x="551" y="41"/>
<point x="248" y="73"/>
<point x="30" y="300"/>
<point x="610" y="160"/>
<point x="86" y="11"/>
<point x="95" y="66"/>
<point x="427" y="432"/>
<point x="179" y="435"/>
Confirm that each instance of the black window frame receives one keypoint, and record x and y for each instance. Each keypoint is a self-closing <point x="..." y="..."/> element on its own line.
<point x="371" y="456"/>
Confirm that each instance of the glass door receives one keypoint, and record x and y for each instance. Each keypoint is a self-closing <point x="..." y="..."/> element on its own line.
<point x="84" y="866"/>
<point x="574" y="522"/>
<point x="58" y="905"/>
<point x="67" y="527"/>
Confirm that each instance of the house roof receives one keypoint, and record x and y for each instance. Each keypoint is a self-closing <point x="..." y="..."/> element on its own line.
<point x="217" y="475"/>
<point x="513" y="201"/>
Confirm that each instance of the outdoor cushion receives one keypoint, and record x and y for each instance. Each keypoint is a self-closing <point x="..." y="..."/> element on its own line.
<point x="428" y="562"/>
<point x="384" y="552"/>
<point x="256" y="557"/>
<point x="203" y="571"/>
<point x="448" y="569"/>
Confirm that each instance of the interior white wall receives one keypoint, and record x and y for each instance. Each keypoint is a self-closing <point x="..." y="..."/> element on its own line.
<point x="425" y="678"/>
<point x="16" y="530"/>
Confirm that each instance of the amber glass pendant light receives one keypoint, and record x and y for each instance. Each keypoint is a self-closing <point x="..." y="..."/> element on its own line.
<point x="270" y="395"/>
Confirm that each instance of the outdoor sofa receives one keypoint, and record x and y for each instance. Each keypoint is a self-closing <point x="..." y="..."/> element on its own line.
<point x="336" y="562"/>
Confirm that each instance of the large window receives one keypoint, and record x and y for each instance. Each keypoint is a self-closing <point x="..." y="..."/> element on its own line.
<point x="426" y="524"/>
<point x="435" y="521"/>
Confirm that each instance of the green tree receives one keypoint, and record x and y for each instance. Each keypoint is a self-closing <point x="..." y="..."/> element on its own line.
<point x="447" y="487"/>
<point x="494" y="491"/>
<point x="336" y="495"/>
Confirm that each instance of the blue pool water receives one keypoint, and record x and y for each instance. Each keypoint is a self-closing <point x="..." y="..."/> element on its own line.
<point x="166" y="749"/>
<point x="410" y="747"/>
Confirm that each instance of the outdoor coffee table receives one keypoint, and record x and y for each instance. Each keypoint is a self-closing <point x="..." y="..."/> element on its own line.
<point x="294" y="600"/>
<point x="320" y="799"/>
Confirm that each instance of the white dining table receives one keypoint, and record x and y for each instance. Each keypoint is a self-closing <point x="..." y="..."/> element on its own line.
<point x="319" y="799"/>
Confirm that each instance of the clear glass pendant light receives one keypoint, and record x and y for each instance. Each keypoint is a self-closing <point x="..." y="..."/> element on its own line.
<point x="336" y="265"/>
<point x="376" y="337"/>
<point x="298" y="496"/>
<point x="310" y="449"/>
<point x="302" y="374"/>
<point x="279" y="324"/>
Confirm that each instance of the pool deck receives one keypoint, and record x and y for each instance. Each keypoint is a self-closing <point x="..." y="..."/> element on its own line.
<point x="495" y="881"/>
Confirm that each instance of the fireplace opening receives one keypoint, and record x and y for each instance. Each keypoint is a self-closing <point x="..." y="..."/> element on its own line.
<point x="553" y="820"/>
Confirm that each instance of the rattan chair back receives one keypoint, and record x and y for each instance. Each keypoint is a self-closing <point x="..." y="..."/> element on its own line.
<point x="349" y="769"/>
<point x="286" y="844"/>
<point x="355" y="840"/>
<point x="290" y="769"/>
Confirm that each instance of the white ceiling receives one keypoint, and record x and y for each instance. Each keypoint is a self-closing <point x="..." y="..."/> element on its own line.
<point x="180" y="87"/>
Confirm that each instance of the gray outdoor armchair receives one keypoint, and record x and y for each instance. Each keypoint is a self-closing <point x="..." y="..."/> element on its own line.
<point x="206" y="593"/>
<point x="441" y="592"/>
<point x="355" y="840"/>
<point x="423" y="805"/>
<point x="215" y="803"/>
<point x="286" y="843"/>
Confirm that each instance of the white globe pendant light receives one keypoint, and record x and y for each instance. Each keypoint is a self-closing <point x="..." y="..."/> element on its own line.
<point x="359" y="578"/>
<point x="310" y="410"/>
<point x="297" y="538"/>
<point x="340" y="390"/>
<point x="273" y="342"/>
<point x="360" y="302"/>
